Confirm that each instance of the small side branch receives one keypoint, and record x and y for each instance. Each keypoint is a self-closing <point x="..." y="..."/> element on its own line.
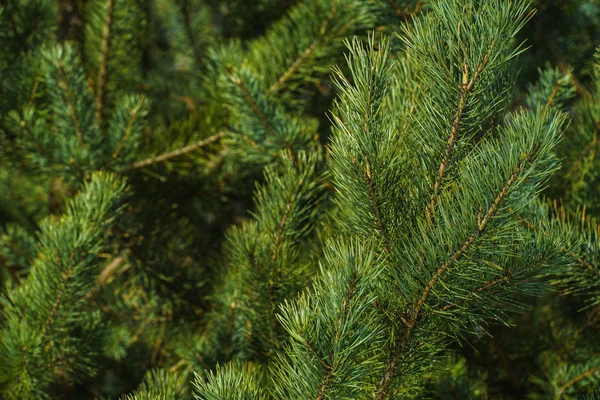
<point x="127" y="133"/>
<point x="466" y="88"/>
<point x="573" y="381"/>
<point x="368" y="179"/>
<point x="57" y="303"/>
<point x="176" y="153"/>
<point x="589" y="149"/>
<point x="415" y="314"/>
<point x="254" y="106"/>
<point x="305" y="54"/>
<point x="349" y="294"/>
<point x="63" y="84"/>
<point x="104" y="54"/>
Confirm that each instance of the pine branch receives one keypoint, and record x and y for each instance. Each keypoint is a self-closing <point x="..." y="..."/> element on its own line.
<point x="376" y="208"/>
<point x="46" y="323"/>
<point x="261" y="127"/>
<point x="306" y="41"/>
<point x="415" y="313"/>
<point x="266" y="254"/>
<point x="33" y="139"/>
<point x="335" y="333"/>
<point x="465" y="89"/>
<point x="580" y="159"/>
<point x="575" y="380"/>
<point x="254" y="106"/>
<point x="286" y="213"/>
<point x="132" y="116"/>
<point x="350" y="293"/>
<point x="186" y="15"/>
<point x="359" y="150"/>
<point x="306" y="53"/>
<point x="176" y="153"/>
<point x="104" y="56"/>
<point x="65" y="280"/>
<point x="233" y="379"/>
<point x="63" y="84"/>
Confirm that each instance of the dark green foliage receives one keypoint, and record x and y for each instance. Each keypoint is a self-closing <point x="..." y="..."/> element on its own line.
<point x="325" y="199"/>
<point x="49" y="331"/>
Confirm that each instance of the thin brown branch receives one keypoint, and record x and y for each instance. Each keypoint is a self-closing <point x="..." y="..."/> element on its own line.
<point x="176" y="153"/>
<point x="573" y="381"/>
<point x="336" y="336"/>
<point x="33" y="91"/>
<point x="486" y="286"/>
<point x="284" y="218"/>
<point x="367" y="177"/>
<point x="230" y="322"/>
<point x="37" y="144"/>
<point x="466" y="88"/>
<point x="586" y="264"/>
<point x="314" y="353"/>
<point x="63" y="84"/>
<point x="405" y="126"/>
<point x="63" y="288"/>
<point x="305" y="54"/>
<point x="254" y="106"/>
<point x="415" y="314"/>
<point x="555" y="90"/>
<point x="104" y="55"/>
<point x="126" y="134"/>
<point x="324" y="386"/>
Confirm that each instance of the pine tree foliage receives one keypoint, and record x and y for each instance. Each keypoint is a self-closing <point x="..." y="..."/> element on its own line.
<point x="82" y="147"/>
<point x="579" y="175"/>
<point x="581" y="236"/>
<point x="452" y="193"/>
<point x="463" y="252"/>
<point x="266" y="259"/>
<point x="236" y="381"/>
<point x="563" y="361"/>
<point x="335" y="332"/>
<point x="468" y="241"/>
<point x="553" y="89"/>
<point x="17" y="247"/>
<point x="262" y="128"/>
<point x="304" y="55"/>
<point x="48" y="333"/>
<point x="161" y="384"/>
<point x="26" y="26"/>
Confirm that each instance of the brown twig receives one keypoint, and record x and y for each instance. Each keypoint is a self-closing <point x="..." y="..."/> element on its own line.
<point x="336" y="337"/>
<point x="305" y="54"/>
<point x="466" y="88"/>
<point x="104" y="54"/>
<point x="573" y="381"/>
<point x="176" y="153"/>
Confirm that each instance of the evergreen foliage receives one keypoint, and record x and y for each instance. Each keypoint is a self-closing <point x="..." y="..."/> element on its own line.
<point x="314" y="199"/>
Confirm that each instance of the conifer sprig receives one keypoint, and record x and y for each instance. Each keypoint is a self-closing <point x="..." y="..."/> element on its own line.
<point x="80" y="148"/>
<point x="235" y="381"/>
<point x="461" y="55"/>
<point x="266" y="253"/>
<point x="300" y="47"/>
<point x="261" y="128"/>
<point x="472" y="243"/>
<point x="48" y="333"/>
<point x="336" y="334"/>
